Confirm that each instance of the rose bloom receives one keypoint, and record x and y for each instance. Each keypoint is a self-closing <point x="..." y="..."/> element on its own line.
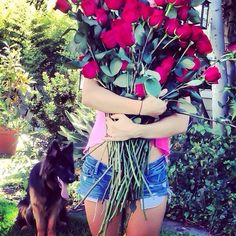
<point x="204" y="45"/>
<point x="114" y="4"/>
<point x="171" y="25"/>
<point x="190" y="51"/>
<point x="90" y="70"/>
<point x="156" y="18"/>
<point x="62" y="5"/>
<point x="101" y="15"/>
<point x="124" y="65"/>
<point x="160" y="2"/>
<point x="197" y="64"/>
<point x="231" y="47"/>
<point x="89" y="7"/>
<point x="76" y="2"/>
<point x="183" y="12"/>
<point x="183" y="44"/>
<point x="168" y="63"/>
<point x="131" y="11"/>
<point x="212" y="75"/>
<point x="178" y="2"/>
<point x="197" y="33"/>
<point x="139" y="90"/>
<point x="184" y="32"/>
<point x="163" y="74"/>
<point x="145" y="10"/>
<point x="123" y="33"/>
<point x="108" y="39"/>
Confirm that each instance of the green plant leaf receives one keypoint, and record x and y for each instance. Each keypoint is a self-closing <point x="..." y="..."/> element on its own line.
<point x="122" y="80"/>
<point x="100" y="56"/>
<point x="123" y="56"/>
<point x="186" y="106"/>
<point x="172" y="13"/>
<point x="187" y="63"/>
<point x="115" y="66"/>
<point x="194" y="16"/>
<point x="153" y="74"/>
<point x="152" y="87"/>
<point x="195" y="3"/>
<point x="139" y="35"/>
<point x="79" y="36"/>
<point x="106" y="70"/>
<point x="195" y="82"/>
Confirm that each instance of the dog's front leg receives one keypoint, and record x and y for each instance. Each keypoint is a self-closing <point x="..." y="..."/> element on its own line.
<point x="40" y="220"/>
<point x="53" y="218"/>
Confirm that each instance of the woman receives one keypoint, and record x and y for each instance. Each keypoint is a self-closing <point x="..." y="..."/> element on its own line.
<point x="120" y="127"/>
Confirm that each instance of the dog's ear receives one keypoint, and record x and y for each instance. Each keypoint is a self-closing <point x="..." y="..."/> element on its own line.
<point x="53" y="150"/>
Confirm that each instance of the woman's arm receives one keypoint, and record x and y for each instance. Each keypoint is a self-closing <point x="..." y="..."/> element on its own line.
<point x="123" y="128"/>
<point x="99" y="98"/>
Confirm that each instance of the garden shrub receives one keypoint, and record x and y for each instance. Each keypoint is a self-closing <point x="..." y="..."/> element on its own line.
<point x="201" y="171"/>
<point x="8" y="213"/>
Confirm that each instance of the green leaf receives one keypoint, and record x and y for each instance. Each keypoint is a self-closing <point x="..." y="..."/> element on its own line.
<point x="100" y="56"/>
<point x="195" y="82"/>
<point x="122" y="55"/>
<point x="122" y="80"/>
<point x="152" y="87"/>
<point x="187" y="107"/>
<point x="233" y="107"/>
<point x="195" y="3"/>
<point x="187" y="63"/>
<point x="106" y="71"/>
<point x="195" y="96"/>
<point x="89" y="21"/>
<point x="139" y="35"/>
<point x="153" y="74"/>
<point x="79" y="36"/>
<point x="147" y="57"/>
<point x="115" y="66"/>
<point x="194" y="16"/>
<point x="172" y="13"/>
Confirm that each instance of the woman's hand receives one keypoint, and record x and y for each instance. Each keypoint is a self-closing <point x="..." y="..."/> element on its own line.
<point x="120" y="128"/>
<point x="153" y="106"/>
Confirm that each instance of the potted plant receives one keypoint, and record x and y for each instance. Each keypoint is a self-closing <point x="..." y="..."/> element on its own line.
<point x="14" y="87"/>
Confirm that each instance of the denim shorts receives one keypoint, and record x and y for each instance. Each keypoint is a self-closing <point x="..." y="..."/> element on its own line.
<point x="155" y="176"/>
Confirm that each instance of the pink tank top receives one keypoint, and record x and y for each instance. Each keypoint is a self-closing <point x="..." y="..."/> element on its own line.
<point x="99" y="132"/>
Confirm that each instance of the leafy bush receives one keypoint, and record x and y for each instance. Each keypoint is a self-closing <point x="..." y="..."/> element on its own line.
<point x="201" y="172"/>
<point x="8" y="212"/>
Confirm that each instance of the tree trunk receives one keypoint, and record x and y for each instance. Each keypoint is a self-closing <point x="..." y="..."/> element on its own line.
<point x="217" y="39"/>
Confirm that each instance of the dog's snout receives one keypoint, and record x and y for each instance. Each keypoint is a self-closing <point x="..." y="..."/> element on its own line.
<point x="72" y="179"/>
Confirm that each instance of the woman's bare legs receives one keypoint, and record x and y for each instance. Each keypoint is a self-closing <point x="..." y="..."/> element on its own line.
<point x="138" y="226"/>
<point x="95" y="213"/>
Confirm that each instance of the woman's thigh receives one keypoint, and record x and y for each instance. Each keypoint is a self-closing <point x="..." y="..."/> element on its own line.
<point x="95" y="215"/>
<point x="151" y="226"/>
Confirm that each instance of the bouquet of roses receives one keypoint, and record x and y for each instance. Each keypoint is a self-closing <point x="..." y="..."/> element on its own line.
<point x="135" y="48"/>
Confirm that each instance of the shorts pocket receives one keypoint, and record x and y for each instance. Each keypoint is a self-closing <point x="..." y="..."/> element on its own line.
<point x="157" y="176"/>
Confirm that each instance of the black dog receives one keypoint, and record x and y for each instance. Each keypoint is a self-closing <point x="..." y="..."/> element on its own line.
<point x="45" y="201"/>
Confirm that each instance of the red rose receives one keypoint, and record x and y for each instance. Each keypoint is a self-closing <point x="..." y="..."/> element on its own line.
<point x="75" y="2"/>
<point x="130" y="14"/>
<point x="89" y="7"/>
<point x="197" y="32"/>
<point x="183" y="44"/>
<point x="123" y="33"/>
<point x="139" y="90"/>
<point x="108" y="39"/>
<point x="190" y="51"/>
<point x="62" y="5"/>
<point x="160" y="2"/>
<point x="157" y="17"/>
<point x="114" y="4"/>
<point x="197" y="64"/>
<point x="178" y="2"/>
<point x="181" y="78"/>
<point x="124" y="65"/>
<point x="101" y="15"/>
<point x="203" y="45"/>
<point x="90" y="70"/>
<point x="80" y="57"/>
<point x="184" y="32"/>
<point x="183" y="12"/>
<point x="163" y="74"/>
<point x="171" y="25"/>
<point x="145" y="10"/>
<point x="168" y="63"/>
<point x="212" y="75"/>
<point x="231" y="47"/>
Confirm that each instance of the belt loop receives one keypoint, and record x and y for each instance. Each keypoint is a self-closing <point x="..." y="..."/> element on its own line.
<point x="96" y="167"/>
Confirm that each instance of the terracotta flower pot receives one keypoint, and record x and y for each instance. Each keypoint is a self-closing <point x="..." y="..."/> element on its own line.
<point x="8" y="140"/>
